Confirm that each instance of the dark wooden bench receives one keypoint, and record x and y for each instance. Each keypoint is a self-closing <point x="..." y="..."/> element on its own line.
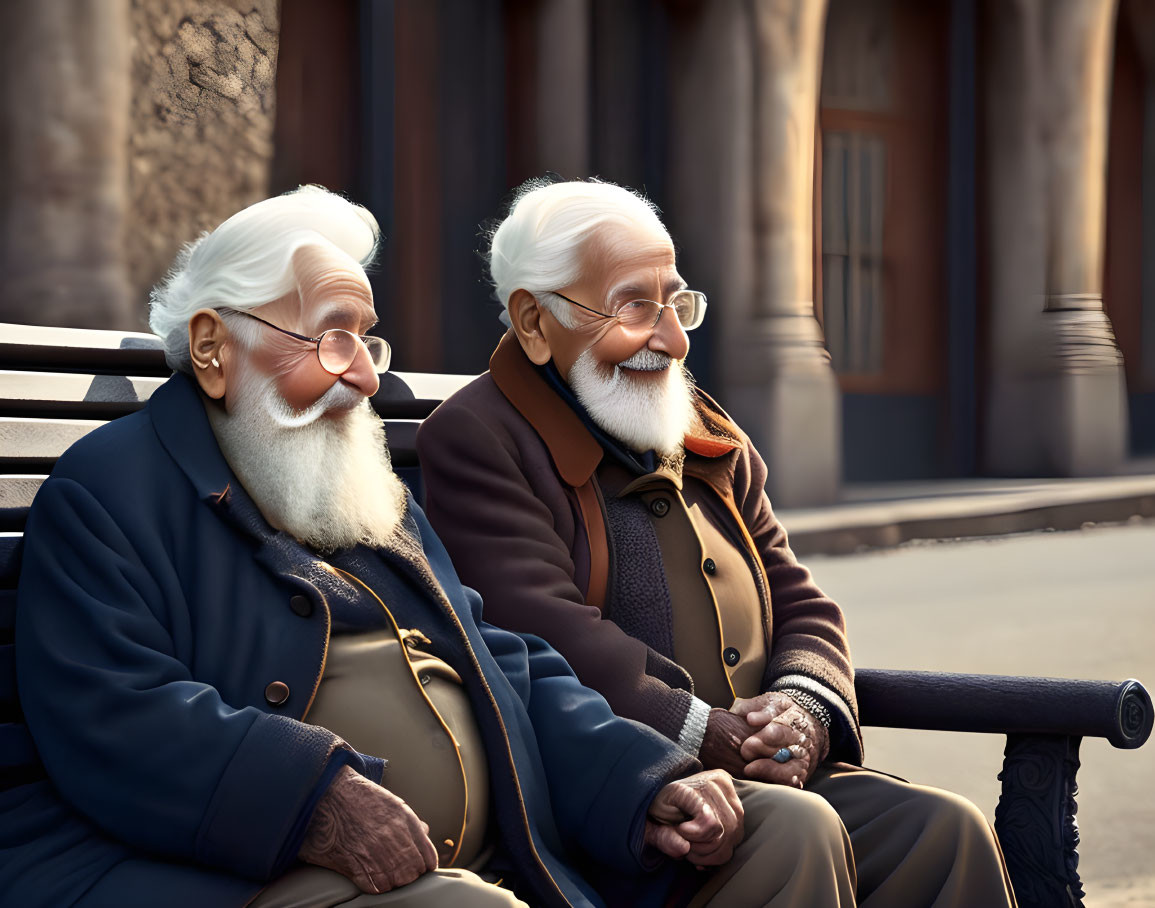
<point x="57" y="384"/>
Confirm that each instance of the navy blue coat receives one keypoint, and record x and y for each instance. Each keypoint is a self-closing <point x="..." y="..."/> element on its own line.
<point x="154" y="609"/>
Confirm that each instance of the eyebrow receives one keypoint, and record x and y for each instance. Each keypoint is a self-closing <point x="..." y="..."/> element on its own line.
<point x="671" y="286"/>
<point x="339" y="311"/>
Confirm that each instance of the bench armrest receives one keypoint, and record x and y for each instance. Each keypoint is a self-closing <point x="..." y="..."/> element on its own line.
<point x="1119" y="711"/>
<point x="1044" y="720"/>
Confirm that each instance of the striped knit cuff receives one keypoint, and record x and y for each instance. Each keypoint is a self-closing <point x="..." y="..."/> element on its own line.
<point x="810" y="703"/>
<point x="845" y="742"/>
<point x="694" y="728"/>
<point x="837" y="707"/>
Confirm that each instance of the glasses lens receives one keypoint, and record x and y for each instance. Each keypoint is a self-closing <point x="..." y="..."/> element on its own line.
<point x="690" y="305"/>
<point x="636" y="313"/>
<point x="379" y="352"/>
<point x="336" y="350"/>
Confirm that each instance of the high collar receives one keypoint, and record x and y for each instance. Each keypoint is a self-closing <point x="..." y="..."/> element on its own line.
<point x="182" y="425"/>
<point x="576" y="452"/>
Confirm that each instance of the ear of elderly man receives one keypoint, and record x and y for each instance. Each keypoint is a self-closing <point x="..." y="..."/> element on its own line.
<point x="597" y="498"/>
<point x="250" y="670"/>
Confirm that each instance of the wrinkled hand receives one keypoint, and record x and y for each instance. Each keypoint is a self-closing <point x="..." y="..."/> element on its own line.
<point x="722" y="744"/>
<point x="772" y="703"/>
<point x="698" y="818"/>
<point x="781" y="723"/>
<point x="368" y="834"/>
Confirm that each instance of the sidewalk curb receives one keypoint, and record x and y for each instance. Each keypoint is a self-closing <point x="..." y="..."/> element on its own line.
<point x="846" y="529"/>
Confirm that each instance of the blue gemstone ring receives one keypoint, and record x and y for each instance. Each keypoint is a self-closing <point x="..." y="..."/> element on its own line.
<point x="783" y="755"/>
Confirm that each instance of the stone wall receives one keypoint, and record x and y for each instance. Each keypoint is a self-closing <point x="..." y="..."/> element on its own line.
<point x="201" y="134"/>
<point x="127" y="127"/>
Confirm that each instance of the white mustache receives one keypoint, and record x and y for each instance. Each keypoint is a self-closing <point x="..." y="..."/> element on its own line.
<point x="647" y="361"/>
<point x="339" y="397"/>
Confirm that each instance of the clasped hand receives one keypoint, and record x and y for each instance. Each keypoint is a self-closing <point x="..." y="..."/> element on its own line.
<point x="698" y="818"/>
<point x="778" y="722"/>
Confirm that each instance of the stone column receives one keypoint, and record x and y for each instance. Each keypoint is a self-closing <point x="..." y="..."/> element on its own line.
<point x="65" y="70"/>
<point x="562" y="98"/>
<point x="1057" y="400"/>
<point x="745" y="89"/>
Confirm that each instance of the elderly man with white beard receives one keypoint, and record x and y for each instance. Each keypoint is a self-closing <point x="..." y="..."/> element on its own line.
<point x="250" y="670"/>
<point x="597" y="498"/>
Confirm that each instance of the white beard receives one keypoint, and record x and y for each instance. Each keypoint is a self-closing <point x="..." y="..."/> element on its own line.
<point x="327" y="482"/>
<point x="643" y="415"/>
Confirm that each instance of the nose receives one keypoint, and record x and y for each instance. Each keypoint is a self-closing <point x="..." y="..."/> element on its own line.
<point x="361" y="374"/>
<point x="669" y="336"/>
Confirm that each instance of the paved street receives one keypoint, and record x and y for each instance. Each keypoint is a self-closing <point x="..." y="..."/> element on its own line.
<point x="1077" y="604"/>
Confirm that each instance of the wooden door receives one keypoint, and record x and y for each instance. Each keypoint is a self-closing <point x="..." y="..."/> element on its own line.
<point x="881" y="188"/>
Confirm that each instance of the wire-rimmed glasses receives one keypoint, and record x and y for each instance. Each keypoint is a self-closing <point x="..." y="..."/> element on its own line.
<point x="337" y="348"/>
<point x="689" y="307"/>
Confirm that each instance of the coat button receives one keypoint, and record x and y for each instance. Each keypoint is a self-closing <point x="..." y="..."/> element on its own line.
<point x="709" y="567"/>
<point x="277" y="693"/>
<point x="731" y="656"/>
<point x="660" y="507"/>
<point x="302" y="605"/>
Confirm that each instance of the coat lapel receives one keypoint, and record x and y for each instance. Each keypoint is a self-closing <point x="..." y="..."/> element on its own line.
<point x="575" y="452"/>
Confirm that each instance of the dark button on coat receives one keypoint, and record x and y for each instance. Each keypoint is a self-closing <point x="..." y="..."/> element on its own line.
<point x="276" y="693"/>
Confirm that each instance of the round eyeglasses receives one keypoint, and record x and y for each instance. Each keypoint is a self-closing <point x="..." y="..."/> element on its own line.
<point x="337" y="348"/>
<point x="689" y="307"/>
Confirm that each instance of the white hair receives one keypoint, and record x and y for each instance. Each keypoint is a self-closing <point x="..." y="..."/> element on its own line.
<point x="538" y="246"/>
<point x="247" y="261"/>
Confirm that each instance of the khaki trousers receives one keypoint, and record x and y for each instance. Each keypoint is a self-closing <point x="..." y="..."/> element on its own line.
<point x="858" y="837"/>
<point x="316" y="887"/>
<point x="853" y="837"/>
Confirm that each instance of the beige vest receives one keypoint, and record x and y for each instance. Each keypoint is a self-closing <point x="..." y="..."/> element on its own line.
<point x="714" y="599"/>
<point x="387" y="697"/>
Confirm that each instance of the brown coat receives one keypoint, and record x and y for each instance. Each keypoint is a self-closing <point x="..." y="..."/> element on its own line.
<point x="511" y="477"/>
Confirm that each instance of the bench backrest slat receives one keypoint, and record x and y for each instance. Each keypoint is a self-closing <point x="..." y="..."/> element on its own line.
<point x="24" y="437"/>
<point x="38" y="348"/>
<point x="60" y="383"/>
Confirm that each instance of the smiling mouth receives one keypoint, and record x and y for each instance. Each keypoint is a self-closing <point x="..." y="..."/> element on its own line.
<point x="645" y="370"/>
<point x="647" y="361"/>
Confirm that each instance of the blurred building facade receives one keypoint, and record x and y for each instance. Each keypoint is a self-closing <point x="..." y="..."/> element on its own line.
<point x="926" y="227"/>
